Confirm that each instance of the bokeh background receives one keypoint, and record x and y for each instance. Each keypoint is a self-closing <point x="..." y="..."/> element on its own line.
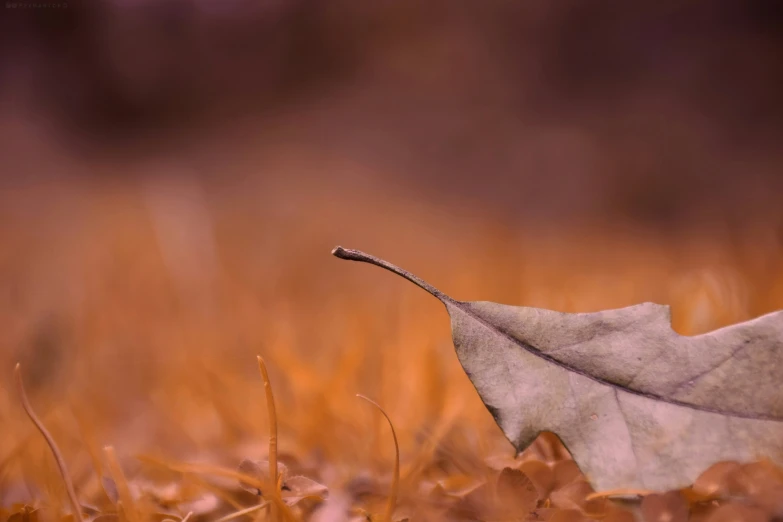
<point x="175" y="174"/>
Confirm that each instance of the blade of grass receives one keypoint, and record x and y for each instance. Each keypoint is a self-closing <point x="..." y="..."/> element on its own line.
<point x="274" y="480"/>
<point x="270" y="405"/>
<point x="243" y="512"/>
<point x="395" y="485"/>
<point x="88" y="440"/>
<point x="77" y="511"/>
<point x="118" y="476"/>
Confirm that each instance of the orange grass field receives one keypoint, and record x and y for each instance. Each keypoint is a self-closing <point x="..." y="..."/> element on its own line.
<point x="136" y="310"/>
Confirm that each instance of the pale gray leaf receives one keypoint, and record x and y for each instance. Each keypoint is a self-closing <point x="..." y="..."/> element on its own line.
<point x="637" y="405"/>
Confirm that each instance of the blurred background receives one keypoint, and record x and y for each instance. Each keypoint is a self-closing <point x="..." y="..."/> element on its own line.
<point x="175" y="173"/>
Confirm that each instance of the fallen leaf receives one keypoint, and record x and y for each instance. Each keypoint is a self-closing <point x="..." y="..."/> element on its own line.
<point x="617" y="514"/>
<point x="540" y="474"/>
<point x="565" y="472"/>
<point x="714" y="482"/>
<point x="303" y="486"/>
<point x="737" y="513"/>
<point x="516" y="491"/>
<point x="573" y="496"/>
<point x="501" y="462"/>
<point x="668" y="507"/>
<point x="557" y="515"/>
<point x="108" y="517"/>
<point x="299" y="488"/>
<point x="762" y="483"/>
<point x="111" y="489"/>
<point x="25" y="514"/>
<point x="259" y="470"/>
<point x="458" y="486"/>
<point x="636" y="404"/>
<point x="202" y="505"/>
<point x="361" y="486"/>
<point x="335" y="509"/>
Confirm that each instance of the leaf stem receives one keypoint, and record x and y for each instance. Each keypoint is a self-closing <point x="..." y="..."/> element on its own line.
<point x="395" y="485"/>
<point x="358" y="255"/>
<point x="77" y="510"/>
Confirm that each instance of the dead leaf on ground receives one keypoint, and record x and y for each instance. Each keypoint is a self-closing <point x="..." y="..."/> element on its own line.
<point x="106" y="517"/>
<point x="714" y="482"/>
<point x="667" y="507"/>
<point x="516" y="492"/>
<point x="565" y="472"/>
<point x="558" y="515"/>
<point x="737" y="513"/>
<point x="110" y="488"/>
<point x="299" y="488"/>
<point x="636" y="404"/>
<point x="542" y="476"/>
<point x="259" y="470"/>
<point x="616" y="513"/>
<point x="761" y="483"/>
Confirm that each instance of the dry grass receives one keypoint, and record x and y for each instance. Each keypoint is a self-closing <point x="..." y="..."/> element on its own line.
<point x="136" y="314"/>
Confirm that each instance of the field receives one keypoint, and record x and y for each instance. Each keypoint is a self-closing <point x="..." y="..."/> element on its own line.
<point x="137" y="307"/>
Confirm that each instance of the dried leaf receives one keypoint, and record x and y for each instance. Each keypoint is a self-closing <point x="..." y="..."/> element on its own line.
<point x="362" y="485"/>
<point x="573" y="496"/>
<point x="617" y="514"/>
<point x="260" y="471"/>
<point x="24" y="514"/>
<point x="106" y="517"/>
<point x="335" y="509"/>
<point x="303" y="486"/>
<point x="762" y="483"/>
<point x="714" y="482"/>
<point x="737" y="513"/>
<point x="299" y="488"/>
<point x="459" y="486"/>
<point x="558" y="515"/>
<point x="636" y="404"/>
<point x="110" y="487"/>
<point x="565" y="472"/>
<point x="516" y="491"/>
<point x="541" y="475"/>
<point x="202" y="505"/>
<point x="669" y="507"/>
<point x="501" y="462"/>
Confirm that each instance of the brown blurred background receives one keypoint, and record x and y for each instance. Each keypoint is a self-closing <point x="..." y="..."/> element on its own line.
<point x="653" y="112"/>
<point x="174" y="174"/>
